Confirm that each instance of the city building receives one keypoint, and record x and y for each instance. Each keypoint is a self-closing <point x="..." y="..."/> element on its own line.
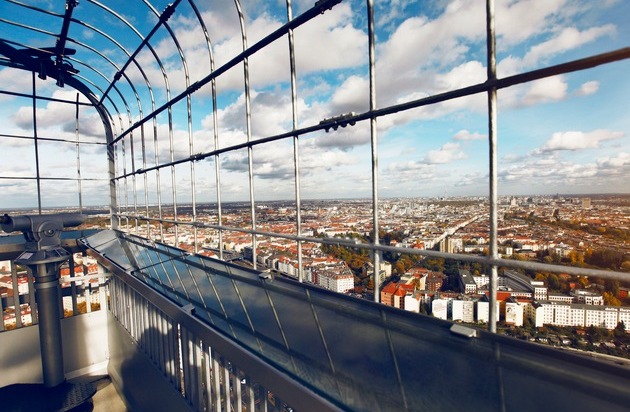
<point x="467" y="283"/>
<point x="514" y="311"/>
<point x="587" y="297"/>
<point x="518" y="281"/>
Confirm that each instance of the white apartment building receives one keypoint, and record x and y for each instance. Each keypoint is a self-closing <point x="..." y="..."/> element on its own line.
<point x="466" y="282"/>
<point x="439" y="308"/>
<point x="412" y="302"/>
<point x="564" y="314"/>
<point x="557" y="297"/>
<point x="578" y="315"/>
<point x="624" y="316"/>
<point x="483" y="311"/>
<point x="587" y="297"/>
<point x="336" y="282"/>
<point x="514" y="312"/>
<point x="535" y="312"/>
<point x="463" y="310"/>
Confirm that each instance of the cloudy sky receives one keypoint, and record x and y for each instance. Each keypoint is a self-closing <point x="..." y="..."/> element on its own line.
<point x="566" y="134"/>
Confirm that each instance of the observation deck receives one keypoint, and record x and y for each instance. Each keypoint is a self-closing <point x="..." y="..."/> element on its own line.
<point x="170" y="114"/>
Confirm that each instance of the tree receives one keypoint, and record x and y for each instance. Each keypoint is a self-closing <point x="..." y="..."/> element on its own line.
<point x="611" y="300"/>
<point x="612" y="285"/>
<point x="583" y="281"/>
<point x="553" y="281"/>
<point x="620" y="331"/>
<point x="596" y="334"/>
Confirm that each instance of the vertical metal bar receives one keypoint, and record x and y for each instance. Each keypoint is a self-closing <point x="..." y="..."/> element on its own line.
<point x="2" y="312"/>
<point x="36" y="143"/>
<point x="185" y="356"/>
<point x="145" y="180"/>
<point x="134" y="187"/>
<point x="251" y="395"/>
<point x="248" y="121"/>
<point x="226" y="386"/>
<point x="296" y="144"/>
<point x="238" y="392"/>
<point x="216" y="382"/>
<point x="73" y="289"/>
<point x="493" y="164"/>
<point x="198" y="365"/>
<point x="192" y="169"/>
<point x="206" y="373"/>
<point x="374" y="145"/>
<point x="17" y="308"/>
<point x="125" y="187"/>
<point x="113" y="185"/>
<point x="31" y="293"/>
<point x="215" y="127"/>
<point x="176" y="352"/>
<point x="88" y="297"/>
<point x="158" y="183"/>
<point x="84" y="268"/>
<point x="263" y="399"/>
<point x="76" y="134"/>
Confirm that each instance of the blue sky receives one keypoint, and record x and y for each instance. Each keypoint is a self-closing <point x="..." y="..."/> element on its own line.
<point x="566" y="134"/>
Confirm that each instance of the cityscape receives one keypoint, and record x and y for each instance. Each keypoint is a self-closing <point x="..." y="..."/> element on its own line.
<point x="564" y="310"/>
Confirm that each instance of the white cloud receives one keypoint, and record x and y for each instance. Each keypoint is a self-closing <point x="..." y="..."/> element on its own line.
<point x="332" y="42"/>
<point x="351" y="95"/>
<point x="517" y="21"/>
<point x="545" y="90"/>
<point x="577" y="140"/>
<point x="551" y="174"/>
<point x="410" y="171"/>
<point x="445" y="154"/>
<point x="467" y="135"/>
<point x="569" y="38"/>
<point x="588" y="88"/>
<point x="621" y="161"/>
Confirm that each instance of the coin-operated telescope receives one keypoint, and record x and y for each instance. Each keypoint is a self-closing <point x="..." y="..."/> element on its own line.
<point x="43" y="255"/>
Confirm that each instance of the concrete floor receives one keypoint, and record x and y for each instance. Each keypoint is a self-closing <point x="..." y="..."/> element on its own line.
<point x="106" y="398"/>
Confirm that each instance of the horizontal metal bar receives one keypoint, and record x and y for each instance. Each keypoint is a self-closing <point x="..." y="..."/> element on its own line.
<point x="575" y="65"/>
<point x="351" y="243"/>
<point x="48" y="99"/>
<point x="51" y="139"/>
<point x="72" y="179"/>
<point x="82" y="278"/>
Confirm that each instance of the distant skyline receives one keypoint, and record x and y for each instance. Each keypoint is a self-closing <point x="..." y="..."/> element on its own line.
<point x="564" y="134"/>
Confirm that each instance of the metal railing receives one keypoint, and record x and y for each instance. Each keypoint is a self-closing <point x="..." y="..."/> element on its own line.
<point x="80" y="290"/>
<point x="228" y="338"/>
